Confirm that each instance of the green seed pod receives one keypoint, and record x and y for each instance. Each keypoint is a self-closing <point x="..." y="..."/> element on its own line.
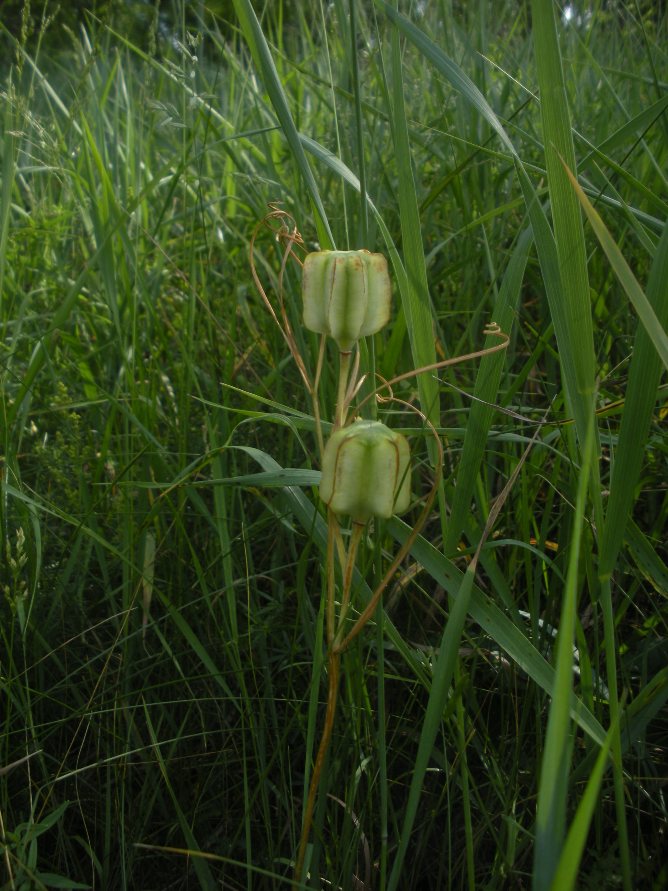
<point x="366" y="471"/>
<point x="346" y="294"/>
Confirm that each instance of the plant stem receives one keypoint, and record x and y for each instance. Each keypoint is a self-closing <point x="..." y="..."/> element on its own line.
<point x="355" y="538"/>
<point x="334" y="670"/>
<point x="344" y="372"/>
<point x="618" y="770"/>
<point x="334" y="665"/>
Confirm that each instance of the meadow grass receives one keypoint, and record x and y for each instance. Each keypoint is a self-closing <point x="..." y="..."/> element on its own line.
<point x="501" y="722"/>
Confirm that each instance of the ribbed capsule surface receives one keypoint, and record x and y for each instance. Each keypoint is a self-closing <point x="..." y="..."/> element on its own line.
<point x="346" y="294"/>
<point x="366" y="471"/>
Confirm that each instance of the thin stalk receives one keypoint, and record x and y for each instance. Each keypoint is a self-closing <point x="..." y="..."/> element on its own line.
<point x="359" y="128"/>
<point x="466" y="798"/>
<point x="344" y="373"/>
<point x="356" y="537"/>
<point x="314" y="397"/>
<point x="8" y="862"/>
<point x="334" y="667"/>
<point x="332" y="526"/>
<point x="334" y="671"/>
<point x="616" y="746"/>
<point x="382" y="753"/>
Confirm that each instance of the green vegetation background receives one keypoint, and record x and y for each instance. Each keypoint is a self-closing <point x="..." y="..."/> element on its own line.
<point x="161" y="661"/>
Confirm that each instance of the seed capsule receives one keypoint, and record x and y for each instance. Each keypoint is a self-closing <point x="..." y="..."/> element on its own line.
<point x="346" y="294"/>
<point x="366" y="471"/>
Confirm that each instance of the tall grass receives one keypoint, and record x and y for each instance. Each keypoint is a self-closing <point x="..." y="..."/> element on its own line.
<point x="162" y="665"/>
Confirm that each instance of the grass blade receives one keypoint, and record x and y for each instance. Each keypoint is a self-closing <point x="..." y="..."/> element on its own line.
<point x="485" y="392"/>
<point x="416" y="302"/>
<point x="644" y="308"/>
<point x="565" y="874"/>
<point x="553" y="788"/>
<point x="261" y="54"/>
<point x="566" y="216"/>
<point x="644" y="377"/>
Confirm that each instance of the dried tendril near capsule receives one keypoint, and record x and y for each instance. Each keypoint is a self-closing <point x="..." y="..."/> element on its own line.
<point x="346" y="294"/>
<point x="366" y="471"/>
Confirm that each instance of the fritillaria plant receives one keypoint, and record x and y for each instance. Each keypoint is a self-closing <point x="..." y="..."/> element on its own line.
<point x="365" y="465"/>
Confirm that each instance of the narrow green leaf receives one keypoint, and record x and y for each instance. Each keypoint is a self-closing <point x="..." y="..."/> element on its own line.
<point x="635" y="127"/>
<point x="553" y="788"/>
<point x="200" y="865"/>
<point x="576" y="324"/>
<point x="641" y="390"/>
<point x="565" y="874"/>
<point x="628" y="281"/>
<point x="442" y="676"/>
<point x="649" y="702"/>
<point x="265" y="65"/>
<point x="459" y="80"/>
<point x="9" y="152"/>
<point x="485" y="393"/>
<point x="416" y="301"/>
<point x="646" y="558"/>
<point x="501" y="629"/>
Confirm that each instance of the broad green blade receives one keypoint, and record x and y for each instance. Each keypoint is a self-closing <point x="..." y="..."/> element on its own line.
<point x="496" y="623"/>
<point x="503" y="632"/>
<point x="576" y="326"/>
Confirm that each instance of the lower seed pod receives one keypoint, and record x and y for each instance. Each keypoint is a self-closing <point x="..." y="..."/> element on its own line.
<point x="366" y="471"/>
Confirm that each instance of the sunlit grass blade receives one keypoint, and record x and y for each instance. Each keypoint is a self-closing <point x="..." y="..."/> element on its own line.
<point x="9" y="148"/>
<point x="458" y="78"/>
<point x="569" y="312"/>
<point x="644" y="708"/>
<point x="574" y="280"/>
<point x="501" y="629"/>
<point x="646" y="558"/>
<point x="635" y="127"/>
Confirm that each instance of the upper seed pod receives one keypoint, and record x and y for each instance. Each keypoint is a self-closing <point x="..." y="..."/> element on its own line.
<point x="346" y="294"/>
<point x="366" y="471"/>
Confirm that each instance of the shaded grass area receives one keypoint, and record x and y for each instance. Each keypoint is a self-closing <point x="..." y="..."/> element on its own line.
<point x="162" y="665"/>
